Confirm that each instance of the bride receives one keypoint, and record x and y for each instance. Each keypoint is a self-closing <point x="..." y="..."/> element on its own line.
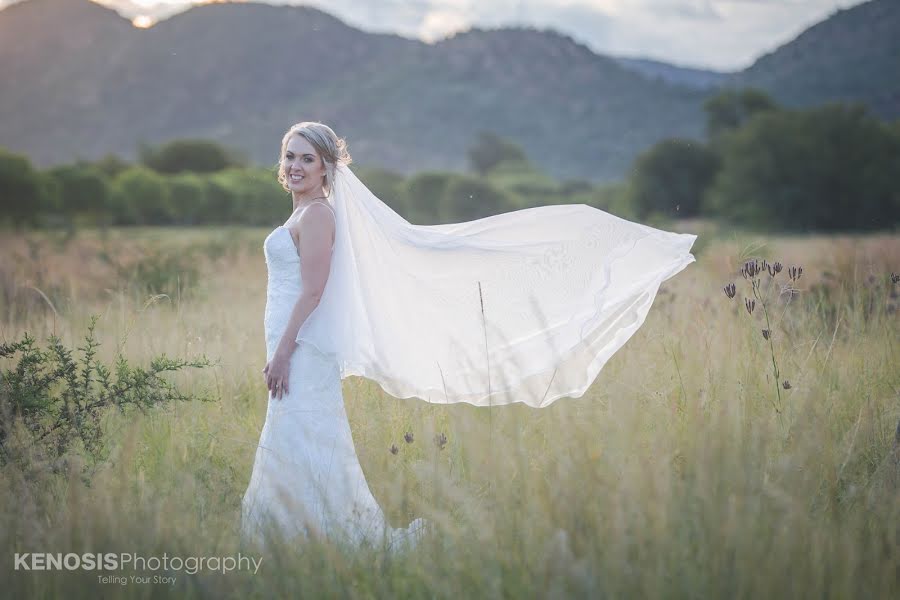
<point x="525" y="306"/>
<point x="306" y="477"/>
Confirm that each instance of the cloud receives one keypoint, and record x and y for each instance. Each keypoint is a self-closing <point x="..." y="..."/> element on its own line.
<point x="719" y="34"/>
<point x="684" y="9"/>
<point x="583" y="22"/>
<point x="437" y="24"/>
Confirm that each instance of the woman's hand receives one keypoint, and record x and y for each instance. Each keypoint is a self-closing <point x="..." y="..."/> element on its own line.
<point x="276" y="374"/>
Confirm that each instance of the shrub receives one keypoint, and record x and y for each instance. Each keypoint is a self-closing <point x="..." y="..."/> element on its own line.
<point x="50" y="400"/>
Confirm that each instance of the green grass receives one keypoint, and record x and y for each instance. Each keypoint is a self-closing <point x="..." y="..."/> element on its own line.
<point x="672" y="477"/>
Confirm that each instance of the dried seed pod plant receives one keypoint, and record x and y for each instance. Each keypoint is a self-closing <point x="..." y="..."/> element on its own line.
<point x="764" y="290"/>
<point x="754" y="272"/>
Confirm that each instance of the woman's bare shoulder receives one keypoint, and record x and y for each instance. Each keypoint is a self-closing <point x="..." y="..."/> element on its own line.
<point x="319" y="223"/>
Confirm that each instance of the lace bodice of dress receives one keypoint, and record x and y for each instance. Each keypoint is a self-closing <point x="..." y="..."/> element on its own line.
<point x="284" y="282"/>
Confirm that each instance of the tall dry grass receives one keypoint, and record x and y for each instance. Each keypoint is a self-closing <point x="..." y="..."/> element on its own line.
<point x="672" y="477"/>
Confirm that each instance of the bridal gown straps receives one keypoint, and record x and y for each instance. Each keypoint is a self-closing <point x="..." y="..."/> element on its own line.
<point x="306" y="477"/>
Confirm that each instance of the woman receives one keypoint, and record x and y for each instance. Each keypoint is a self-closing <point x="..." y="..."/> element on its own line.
<point x="525" y="306"/>
<point x="306" y="475"/>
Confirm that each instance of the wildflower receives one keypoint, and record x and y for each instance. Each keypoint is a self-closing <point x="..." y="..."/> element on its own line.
<point x="394" y="449"/>
<point x="750" y="305"/>
<point x="894" y="277"/>
<point x="774" y="269"/>
<point x="766" y="333"/>
<point x="786" y="384"/>
<point x="795" y="272"/>
<point x="729" y="290"/>
<point x="408" y="437"/>
<point x="751" y="269"/>
<point x="441" y="440"/>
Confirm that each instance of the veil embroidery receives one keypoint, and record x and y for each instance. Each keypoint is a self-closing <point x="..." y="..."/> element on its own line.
<point x="525" y="306"/>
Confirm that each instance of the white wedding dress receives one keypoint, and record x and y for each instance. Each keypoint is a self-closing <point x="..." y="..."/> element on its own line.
<point x="524" y="306"/>
<point x="306" y="479"/>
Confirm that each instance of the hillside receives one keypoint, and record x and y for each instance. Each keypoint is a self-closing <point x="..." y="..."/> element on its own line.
<point x="686" y="76"/>
<point x="84" y="82"/>
<point x="241" y="73"/>
<point x="854" y="55"/>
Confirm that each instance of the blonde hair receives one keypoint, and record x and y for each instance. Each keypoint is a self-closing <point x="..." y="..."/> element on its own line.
<point x="331" y="149"/>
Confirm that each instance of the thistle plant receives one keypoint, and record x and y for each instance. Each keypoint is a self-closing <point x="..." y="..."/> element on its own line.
<point x="754" y="272"/>
<point x="56" y="400"/>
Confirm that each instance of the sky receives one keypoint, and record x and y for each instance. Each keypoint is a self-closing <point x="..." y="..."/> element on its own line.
<point x="713" y="34"/>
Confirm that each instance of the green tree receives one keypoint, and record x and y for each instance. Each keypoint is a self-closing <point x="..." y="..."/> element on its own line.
<point x="195" y="155"/>
<point x="490" y="149"/>
<point x="24" y="192"/>
<point x="141" y="196"/>
<point x="250" y="196"/>
<point x="614" y="198"/>
<point x="388" y="186"/>
<point x="82" y="190"/>
<point x="222" y="199"/>
<point x="729" y="109"/>
<point x="188" y="194"/>
<point x="467" y="198"/>
<point x="831" y="168"/>
<point x="525" y="185"/>
<point x="110" y="165"/>
<point x="423" y="193"/>
<point x="671" y="178"/>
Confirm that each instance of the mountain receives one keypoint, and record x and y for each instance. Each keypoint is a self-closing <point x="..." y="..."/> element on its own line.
<point x="854" y="55"/>
<point x="85" y="82"/>
<point x="47" y="42"/>
<point x="88" y="83"/>
<point x="53" y="53"/>
<point x="702" y="79"/>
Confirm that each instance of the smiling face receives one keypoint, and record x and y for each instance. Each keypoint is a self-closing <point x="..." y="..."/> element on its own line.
<point x="304" y="169"/>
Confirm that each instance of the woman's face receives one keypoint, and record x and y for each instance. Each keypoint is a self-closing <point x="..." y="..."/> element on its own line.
<point x="303" y="167"/>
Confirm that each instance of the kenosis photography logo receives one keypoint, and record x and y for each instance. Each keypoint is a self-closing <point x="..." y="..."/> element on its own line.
<point x="116" y="561"/>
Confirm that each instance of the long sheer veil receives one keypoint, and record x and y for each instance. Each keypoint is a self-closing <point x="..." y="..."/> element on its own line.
<point x="525" y="306"/>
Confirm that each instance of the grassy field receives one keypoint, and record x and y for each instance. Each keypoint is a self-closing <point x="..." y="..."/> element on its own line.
<point x="687" y="471"/>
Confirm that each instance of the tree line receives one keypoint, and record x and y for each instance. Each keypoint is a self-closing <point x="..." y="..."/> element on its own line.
<point x="829" y="168"/>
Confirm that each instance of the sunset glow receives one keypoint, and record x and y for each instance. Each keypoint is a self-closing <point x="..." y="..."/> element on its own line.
<point x="143" y="21"/>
